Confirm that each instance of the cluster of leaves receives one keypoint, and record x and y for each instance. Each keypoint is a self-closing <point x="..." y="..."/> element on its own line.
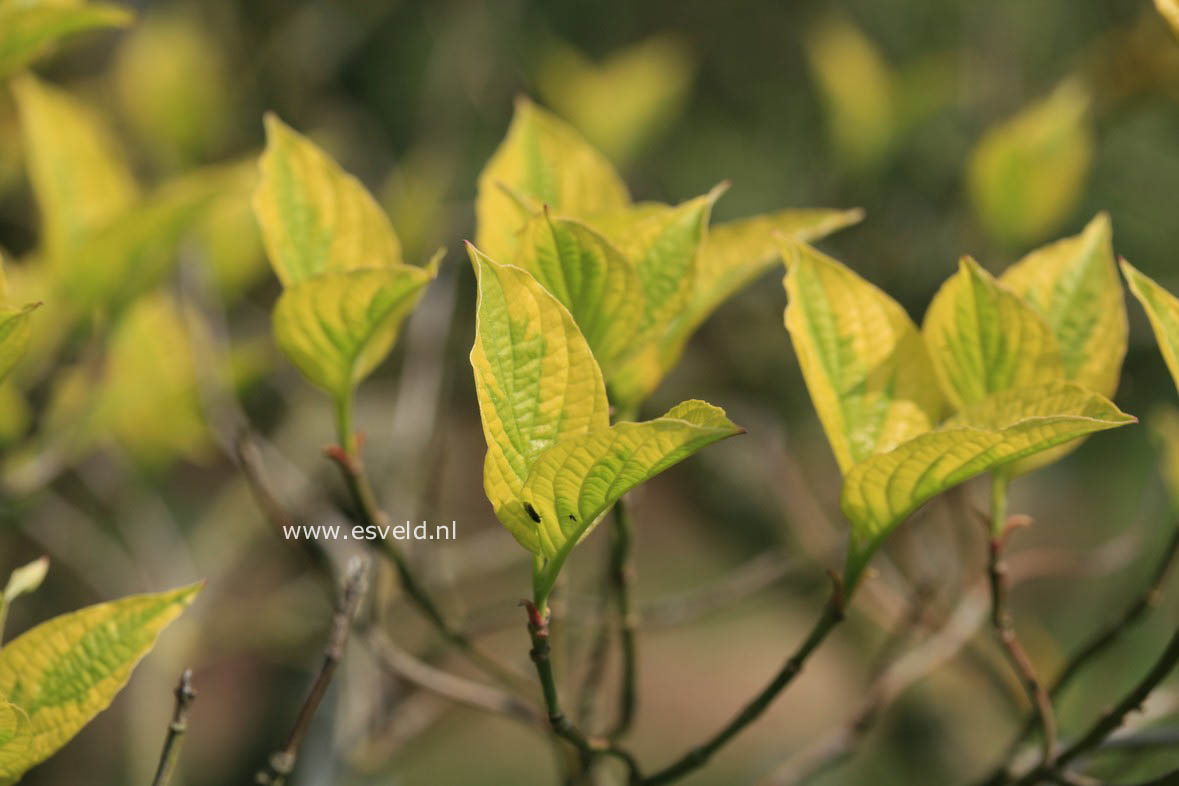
<point x="582" y="291"/>
<point x="1023" y="365"/>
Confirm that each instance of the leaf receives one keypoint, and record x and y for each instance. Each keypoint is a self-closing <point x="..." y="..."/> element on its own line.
<point x="883" y="490"/>
<point x="574" y="482"/>
<point x="1164" y="427"/>
<point x="624" y="101"/>
<point x="15" y="334"/>
<point x="1026" y="174"/>
<point x="1073" y="284"/>
<point x="14" y="742"/>
<point x="546" y="161"/>
<point x="983" y="338"/>
<point x="80" y="177"/>
<point x="1169" y="9"/>
<point x="865" y="365"/>
<point x="536" y="380"/>
<point x="65" y="671"/>
<point x="316" y="218"/>
<point x="858" y="89"/>
<point x="29" y="30"/>
<point x="1162" y="309"/>
<point x="737" y="252"/>
<point x="663" y="243"/>
<point x="337" y="327"/>
<point x="591" y="278"/>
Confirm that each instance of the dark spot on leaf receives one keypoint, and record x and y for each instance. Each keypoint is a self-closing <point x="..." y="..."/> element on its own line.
<point x="531" y="511"/>
<point x="572" y="517"/>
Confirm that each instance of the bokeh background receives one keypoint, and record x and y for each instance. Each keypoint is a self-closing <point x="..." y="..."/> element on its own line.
<point x="959" y="127"/>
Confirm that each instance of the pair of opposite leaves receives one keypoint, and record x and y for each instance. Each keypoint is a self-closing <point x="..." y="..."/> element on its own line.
<point x="1025" y="362"/>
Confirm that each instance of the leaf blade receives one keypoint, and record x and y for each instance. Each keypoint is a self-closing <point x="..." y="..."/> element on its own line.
<point x="28" y="31"/>
<point x="1162" y="309"/>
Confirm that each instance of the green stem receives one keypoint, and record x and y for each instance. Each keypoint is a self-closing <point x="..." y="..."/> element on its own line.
<point x="176" y="729"/>
<point x="622" y="572"/>
<point x="698" y="756"/>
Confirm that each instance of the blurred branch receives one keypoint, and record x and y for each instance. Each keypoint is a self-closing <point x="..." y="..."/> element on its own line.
<point x="352" y="469"/>
<point x="451" y="686"/>
<point x="176" y="729"/>
<point x="622" y="570"/>
<point x="282" y="762"/>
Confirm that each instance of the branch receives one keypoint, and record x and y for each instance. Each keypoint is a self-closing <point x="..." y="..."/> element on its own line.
<point x="282" y="762"/>
<point x="352" y="469"/>
<point x="622" y="572"/>
<point x="1004" y="627"/>
<point x="698" y="756"/>
<point x="176" y="729"/>
<point x="588" y="748"/>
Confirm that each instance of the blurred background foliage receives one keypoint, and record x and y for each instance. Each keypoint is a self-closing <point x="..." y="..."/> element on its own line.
<point x="960" y="127"/>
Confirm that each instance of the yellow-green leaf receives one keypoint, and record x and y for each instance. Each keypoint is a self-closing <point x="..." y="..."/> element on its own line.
<point x="15" y="333"/>
<point x="315" y="217"/>
<point x="337" y="327"/>
<point x="884" y="489"/>
<point x="864" y="362"/>
<point x="1162" y="309"/>
<point x="15" y="738"/>
<point x="544" y="160"/>
<point x="1073" y="284"/>
<point x="622" y="102"/>
<point x="737" y="252"/>
<point x="983" y="338"/>
<point x="591" y="278"/>
<point x="1164" y="426"/>
<point x="536" y="380"/>
<point x="22" y="581"/>
<point x="65" y="671"/>
<point x="29" y="30"/>
<point x="80" y="177"/>
<point x="1025" y="175"/>
<point x="574" y="482"/>
<point x="858" y="90"/>
<point x="1170" y="12"/>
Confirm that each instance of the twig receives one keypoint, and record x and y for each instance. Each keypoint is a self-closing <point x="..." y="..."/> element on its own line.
<point x="352" y="469"/>
<point x="1134" y="614"/>
<point x="1109" y="721"/>
<point x="698" y="756"/>
<point x="282" y="762"/>
<point x="588" y="748"/>
<point x="176" y="729"/>
<point x="459" y="690"/>
<point x="1004" y="627"/>
<point x="622" y="570"/>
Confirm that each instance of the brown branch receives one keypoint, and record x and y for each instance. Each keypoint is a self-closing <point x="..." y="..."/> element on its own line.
<point x="282" y="762"/>
<point x="176" y="729"/>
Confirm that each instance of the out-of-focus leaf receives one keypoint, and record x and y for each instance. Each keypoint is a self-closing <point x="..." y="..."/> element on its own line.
<point x="67" y="670"/>
<point x="173" y="84"/>
<point x="1073" y="284"/>
<point x="15" y="414"/>
<point x="15" y="330"/>
<point x="149" y="398"/>
<point x="884" y="489"/>
<point x="1170" y="12"/>
<point x="1162" y="309"/>
<point x="536" y="380"/>
<point x="543" y="160"/>
<point x="29" y="30"/>
<point x="737" y="252"/>
<point x="80" y="177"/>
<point x="228" y="238"/>
<point x="623" y="102"/>
<point x="418" y="196"/>
<point x="574" y="482"/>
<point x="984" y="339"/>
<point x="1026" y="174"/>
<point x="22" y="581"/>
<point x="858" y="89"/>
<point x="315" y="217"/>
<point x="591" y="278"/>
<point x="864" y="362"/>
<point x="1164" y="425"/>
<point x="337" y="327"/>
